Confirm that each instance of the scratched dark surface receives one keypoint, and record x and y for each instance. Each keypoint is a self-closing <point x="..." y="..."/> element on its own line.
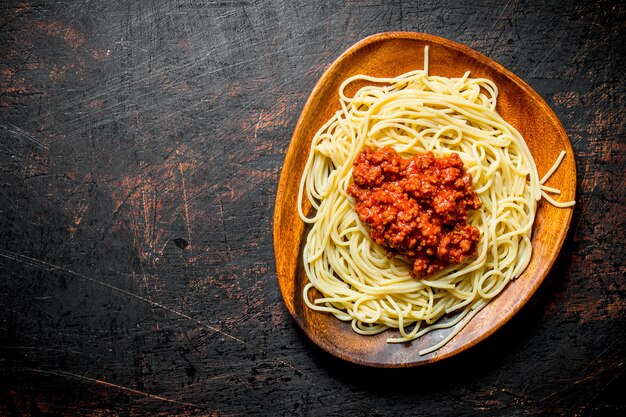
<point x="141" y="144"/>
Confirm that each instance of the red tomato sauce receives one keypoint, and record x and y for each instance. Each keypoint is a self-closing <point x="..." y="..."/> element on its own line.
<point x="416" y="207"/>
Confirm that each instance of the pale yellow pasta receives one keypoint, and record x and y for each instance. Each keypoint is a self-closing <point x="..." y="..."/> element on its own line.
<point x="415" y="113"/>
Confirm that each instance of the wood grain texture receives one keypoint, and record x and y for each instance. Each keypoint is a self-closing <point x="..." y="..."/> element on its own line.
<point x="140" y="150"/>
<point x="388" y="55"/>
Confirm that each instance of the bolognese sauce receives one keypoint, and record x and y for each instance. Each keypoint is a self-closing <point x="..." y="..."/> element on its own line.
<point x="416" y="207"/>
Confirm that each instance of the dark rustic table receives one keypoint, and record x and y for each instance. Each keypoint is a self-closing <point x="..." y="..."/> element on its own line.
<point x="141" y="144"/>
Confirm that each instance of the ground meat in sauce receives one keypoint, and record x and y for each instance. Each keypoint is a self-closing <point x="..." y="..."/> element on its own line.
<point x="416" y="207"/>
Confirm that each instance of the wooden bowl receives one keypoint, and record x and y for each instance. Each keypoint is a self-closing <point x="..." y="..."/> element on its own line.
<point x="387" y="55"/>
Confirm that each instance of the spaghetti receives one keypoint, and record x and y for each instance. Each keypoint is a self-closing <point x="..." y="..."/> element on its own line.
<point x="416" y="113"/>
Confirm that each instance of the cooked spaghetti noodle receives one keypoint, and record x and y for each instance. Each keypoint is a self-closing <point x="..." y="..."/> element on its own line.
<point x="416" y="113"/>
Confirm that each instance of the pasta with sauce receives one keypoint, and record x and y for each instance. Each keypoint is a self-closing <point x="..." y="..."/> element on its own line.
<point x="413" y="114"/>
